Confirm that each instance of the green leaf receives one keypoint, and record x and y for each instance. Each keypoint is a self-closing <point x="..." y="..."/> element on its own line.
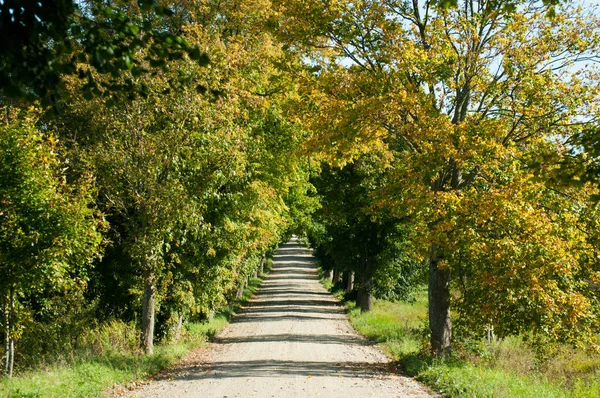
<point x="446" y="3"/>
<point x="134" y="29"/>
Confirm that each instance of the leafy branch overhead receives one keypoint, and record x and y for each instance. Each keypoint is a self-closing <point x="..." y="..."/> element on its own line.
<point x="452" y="144"/>
<point x="50" y="39"/>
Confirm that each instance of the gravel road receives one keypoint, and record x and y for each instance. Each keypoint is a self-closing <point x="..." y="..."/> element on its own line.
<point x="292" y="340"/>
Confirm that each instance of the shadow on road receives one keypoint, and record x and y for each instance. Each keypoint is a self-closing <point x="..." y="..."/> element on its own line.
<point x="287" y="293"/>
<point x="258" y="368"/>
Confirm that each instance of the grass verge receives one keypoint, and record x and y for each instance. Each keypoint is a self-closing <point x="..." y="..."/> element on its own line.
<point x="90" y="377"/>
<point x="507" y="368"/>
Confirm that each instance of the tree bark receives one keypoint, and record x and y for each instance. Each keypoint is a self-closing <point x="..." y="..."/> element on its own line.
<point x="349" y="281"/>
<point x="327" y="274"/>
<point x="489" y="330"/>
<point x="12" y="357"/>
<point x="364" y="297"/>
<point x="148" y="310"/>
<point x="177" y="327"/>
<point x="240" y="292"/>
<point x="6" y="311"/>
<point x="364" y="300"/>
<point x="439" y="305"/>
<point x="9" y="325"/>
<point x="262" y="265"/>
<point x="337" y="276"/>
<point x="11" y="350"/>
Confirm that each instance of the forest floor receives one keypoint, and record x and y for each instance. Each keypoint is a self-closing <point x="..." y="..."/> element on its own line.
<point x="292" y="340"/>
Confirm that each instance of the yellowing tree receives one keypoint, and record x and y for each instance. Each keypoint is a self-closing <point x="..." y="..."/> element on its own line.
<point x="470" y="98"/>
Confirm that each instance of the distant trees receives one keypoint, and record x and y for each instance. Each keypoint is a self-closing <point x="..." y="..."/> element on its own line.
<point x="351" y="236"/>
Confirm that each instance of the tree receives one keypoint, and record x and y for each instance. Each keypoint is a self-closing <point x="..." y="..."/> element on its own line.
<point x="151" y="171"/>
<point x="49" y="231"/>
<point x="355" y="238"/>
<point x="192" y="180"/>
<point x="460" y="94"/>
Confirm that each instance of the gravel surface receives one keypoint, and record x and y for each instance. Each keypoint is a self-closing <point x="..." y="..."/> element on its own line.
<point x="292" y="340"/>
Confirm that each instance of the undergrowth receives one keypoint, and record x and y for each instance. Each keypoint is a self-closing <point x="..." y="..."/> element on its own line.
<point x="112" y="357"/>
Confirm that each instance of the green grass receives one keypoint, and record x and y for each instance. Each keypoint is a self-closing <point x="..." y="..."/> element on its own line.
<point x="501" y="369"/>
<point x="326" y="282"/>
<point x="89" y="377"/>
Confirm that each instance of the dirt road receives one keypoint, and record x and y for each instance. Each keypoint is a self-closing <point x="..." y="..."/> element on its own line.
<point x="293" y="340"/>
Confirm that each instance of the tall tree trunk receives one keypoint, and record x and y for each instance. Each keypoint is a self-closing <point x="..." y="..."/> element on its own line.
<point x="148" y="310"/>
<point x="439" y="305"/>
<point x="337" y="276"/>
<point x="9" y="340"/>
<point x="7" y="333"/>
<point x="327" y="274"/>
<point x="262" y="265"/>
<point x="364" y="297"/>
<point x="349" y="281"/>
<point x="178" y="326"/>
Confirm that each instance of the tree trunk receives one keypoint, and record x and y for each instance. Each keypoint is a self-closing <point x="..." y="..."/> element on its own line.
<point x="349" y="281"/>
<point x="489" y="330"/>
<point x="6" y="364"/>
<point x="262" y="265"/>
<point x="12" y="357"/>
<point x="11" y="350"/>
<point x="9" y="325"/>
<point x="439" y="305"/>
<point x="327" y="274"/>
<point x="337" y="276"/>
<point x="364" y="297"/>
<point x="148" y="313"/>
<point x="364" y="300"/>
<point x="177" y="327"/>
<point x="240" y="292"/>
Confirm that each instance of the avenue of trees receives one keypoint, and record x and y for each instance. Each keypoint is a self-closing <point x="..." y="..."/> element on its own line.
<point x="153" y="153"/>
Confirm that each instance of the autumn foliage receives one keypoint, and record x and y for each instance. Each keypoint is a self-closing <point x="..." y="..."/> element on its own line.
<point x="453" y="144"/>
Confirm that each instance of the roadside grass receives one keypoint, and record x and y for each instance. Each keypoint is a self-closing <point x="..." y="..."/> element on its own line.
<point x="507" y="368"/>
<point x="89" y="375"/>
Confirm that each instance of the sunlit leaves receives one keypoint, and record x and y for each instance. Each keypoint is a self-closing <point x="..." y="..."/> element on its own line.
<point x="49" y="232"/>
<point x="51" y="38"/>
<point x="468" y="104"/>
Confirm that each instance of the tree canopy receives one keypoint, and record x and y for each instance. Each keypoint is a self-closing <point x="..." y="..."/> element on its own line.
<point x="153" y="155"/>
